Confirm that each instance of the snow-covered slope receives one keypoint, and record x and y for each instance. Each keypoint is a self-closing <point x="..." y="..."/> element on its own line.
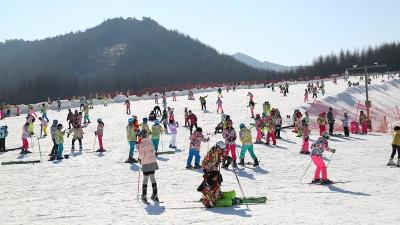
<point x="94" y="188"/>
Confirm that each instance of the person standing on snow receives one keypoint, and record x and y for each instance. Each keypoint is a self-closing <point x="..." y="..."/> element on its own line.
<point x="164" y="120"/>
<point x="252" y="105"/>
<point x="269" y="122"/>
<point x="315" y="92"/>
<point x="345" y="122"/>
<point x="156" y="99"/>
<point x="86" y="119"/>
<point x="305" y="95"/>
<point x="25" y="135"/>
<point x="259" y="124"/>
<point x="148" y="160"/>
<point x="194" y="150"/>
<point x="220" y="93"/>
<point x="229" y="134"/>
<point x="192" y="118"/>
<point x="219" y="105"/>
<point x="43" y="110"/>
<point x="131" y="134"/>
<point x="156" y="132"/>
<point x="266" y="108"/>
<point x="395" y="146"/>
<point x="203" y="102"/>
<point x="247" y="145"/>
<point x="186" y="117"/>
<point x="43" y="127"/>
<point x="305" y="136"/>
<point x="173" y="128"/>
<point x="70" y="118"/>
<point x="3" y="135"/>
<point x="317" y="149"/>
<point x="321" y="120"/>
<point x="99" y="133"/>
<point x="331" y="121"/>
<point x="128" y="107"/>
<point x="60" y="141"/>
<point x="278" y="124"/>
<point x="364" y="122"/>
<point x="78" y="135"/>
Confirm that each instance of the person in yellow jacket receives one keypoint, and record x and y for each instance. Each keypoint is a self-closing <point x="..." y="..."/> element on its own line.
<point x="131" y="135"/>
<point x="395" y="147"/>
<point x="266" y="108"/>
<point x="60" y="141"/>
<point x="247" y="145"/>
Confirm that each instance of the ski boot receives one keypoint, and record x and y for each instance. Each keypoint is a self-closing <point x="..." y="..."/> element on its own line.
<point x="258" y="142"/>
<point x="73" y="148"/>
<point x="255" y="162"/>
<point x="131" y="160"/>
<point x="241" y="163"/>
<point x="226" y="163"/>
<point x="196" y="166"/>
<point x="154" y="196"/>
<point x="170" y="146"/>
<point x="80" y="148"/>
<point x="391" y="162"/>
<point x="144" y="194"/>
<point x="234" y="165"/>
<point x="327" y="181"/>
<point x="316" y="181"/>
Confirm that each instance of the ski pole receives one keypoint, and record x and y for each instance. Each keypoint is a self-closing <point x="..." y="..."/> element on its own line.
<point x="237" y="179"/>
<point x="94" y="143"/>
<point x="138" y="184"/>
<point x="330" y="159"/>
<point x="40" y="151"/>
<point x="305" y="171"/>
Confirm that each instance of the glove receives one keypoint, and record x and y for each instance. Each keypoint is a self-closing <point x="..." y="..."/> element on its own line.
<point x="333" y="150"/>
<point x="208" y="139"/>
<point x="67" y="135"/>
<point x="95" y="133"/>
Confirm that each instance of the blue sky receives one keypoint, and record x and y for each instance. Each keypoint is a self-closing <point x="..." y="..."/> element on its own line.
<point x="286" y="32"/>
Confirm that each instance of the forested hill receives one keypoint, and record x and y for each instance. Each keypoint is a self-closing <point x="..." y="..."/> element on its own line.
<point x="119" y="54"/>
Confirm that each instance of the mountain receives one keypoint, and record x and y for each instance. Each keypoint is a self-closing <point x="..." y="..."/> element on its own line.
<point x="248" y="60"/>
<point x="119" y="54"/>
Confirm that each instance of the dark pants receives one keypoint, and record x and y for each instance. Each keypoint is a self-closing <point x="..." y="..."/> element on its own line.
<point x="191" y="127"/>
<point x="394" y="148"/>
<point x="80" y="142"/>
<point x="2" y="144"/>
<point x="203" y="106"/>
<point x="314" y="95"/>
<point x="278" y="131"/>
<point x="346" y="131"/>
<point x="54" y="149"/>
<point x="330" y="128"/>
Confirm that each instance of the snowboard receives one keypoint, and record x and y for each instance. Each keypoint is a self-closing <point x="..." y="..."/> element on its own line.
<point x="333" y="182"/>
<point x="165" y="152"/>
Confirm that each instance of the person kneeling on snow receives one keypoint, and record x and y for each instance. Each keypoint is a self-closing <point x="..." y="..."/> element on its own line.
<point x="318" y="149"/>
<point x="148" y="160"/>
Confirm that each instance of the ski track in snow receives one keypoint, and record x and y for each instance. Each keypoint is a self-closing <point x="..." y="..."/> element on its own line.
<point x="92" y="188"/>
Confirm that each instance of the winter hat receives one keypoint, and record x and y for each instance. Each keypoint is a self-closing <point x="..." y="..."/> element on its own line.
<point x="157" y="122"/>
<point x="229" y="122"/>
<point x="130" y="120"/>
<point x="99" y="120"/>
<point x="325" y="135"/>
<point x="397" y="128"/>
<point x="220" y="144"/>
<point x="60" y="125"/>
<point x="242" y="125"/>
<point x="55" y="121"/>
<point x="199" y="129"/>
<point x="145" y="120"/>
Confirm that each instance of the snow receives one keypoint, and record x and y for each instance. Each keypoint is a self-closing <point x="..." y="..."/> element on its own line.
<point x="96" y="188"/>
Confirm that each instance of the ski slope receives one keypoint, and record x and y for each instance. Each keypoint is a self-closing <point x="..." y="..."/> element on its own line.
<point x="95" y="188"/>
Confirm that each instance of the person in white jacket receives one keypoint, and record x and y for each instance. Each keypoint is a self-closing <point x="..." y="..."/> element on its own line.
<point x="147" y="159"/>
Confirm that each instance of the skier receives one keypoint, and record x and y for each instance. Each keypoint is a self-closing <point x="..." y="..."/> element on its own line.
<point x="395" y="146"/>
<point x="258" y="122"/>
<point x="321" y="120"/>
<point x="229" y="134"/>
<point x="219" y="105"/>
<point x="203" y="102"/>
<point x="194" y="148"/>
<point x="247" y="145"/>
<point x="86" y="119"/>
<point x="273" y="87"/>
<point x="164" y="100"/>
<point x="364" y="122"/>
<point x="145" y="126"/>
<point x="251" y="96"/>
<point x="266" y="108"/>
<point x="132" y="140"/>
<point x="192" y="118"/>
<point x="157" y="110"/>
<point x="43" y="127"/>
<point x="171" y="114"/>
<point x="128" y="106"/>
<point x="252" y="105"/>
<point x="190" y="95"/>
<point x="70" y="118"/>
<point x="152" y="116"/>
<point x="305" y="95"/>
<point x="315" y="91"/>
<point x="147" y="159"/>
<point x="317" y="149"/>
<point x="53" y="131"/>
<point x="60" y="141"/>
<point x="278" y="124"/>
<point x="331" y="121"/>
<point x="99" y="134"/>
<point x="31" y="111"/>
<point x="43" y="110"/>
<point x="25" y="136"/>
<point x="78" y="135"/>
<point x="186" y="117"/>
<point x="156" y="132"/>
<point x="58" y="104"/>
<point x="164" y="120"/>
<point x="269" y="122"/>
<point x="156" y="99"/>
<point x="173" y="96"/>
<point x="297" y="122"/>
<point x="173" y="128"/>
<point x="3" y="135"/>
<point x="79" y="119"/>
<point x="345" y="122"/>
<point x="305" y="135"/>
<point x="82" y="103"/>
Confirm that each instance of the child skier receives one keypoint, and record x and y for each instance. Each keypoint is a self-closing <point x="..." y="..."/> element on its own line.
<point x="192" y="118"/>
<point x="321" y="120"/>
<point x="43" y="110"/>
<point x="345" y="122"/>
<point x="305" y="135"/>
<point x="132" y="140"/>
<point x="156" y="99"/>
<point x="186" y="117"/>
<point x="43" y="127"/>
<point x="60" y="141"/>
<point x="86" y="119"/>
<point x="149" y="165"/>
<point x="229" y="134"/>
<point x="266" y="108"/>
<point x="203" y="102"/>
<point x="173" y="128"/>
<point x="78" y="135"/>
<point x="252" y="105"/>
<point x="278" y="124"/>
<point x="3" y="135"/>
<point x="247" y="145"/>
<point x="156" y="132"/>
<point x="70" y="118"/>
<point x="395" y="146"/>
<point x="164" y="120"/>
<point x="145" y="126"/>
<point x="128" y="107"/>
<point x="364" y="122"/>
<point x="270" y="125"/>
<point x="305" y="95"/>
<point x="219" y="105"/>
<point x="53" y="131"/>
<point x="99" y="134"/>
<point x="25" y="136"/>
<point x="173" y="96"/>
<point x="259" y="125"/>
<point x="318" y="148"/>
<point x="194" y="150"/>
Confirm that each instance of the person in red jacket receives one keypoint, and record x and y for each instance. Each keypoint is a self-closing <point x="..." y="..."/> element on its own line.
<point x="192" y="121"/>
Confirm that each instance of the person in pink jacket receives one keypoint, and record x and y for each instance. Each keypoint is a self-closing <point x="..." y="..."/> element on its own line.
<point x="318" y="149"/>
<point x="25" y="135"/>
<point x="229" y="134"/>
<point x="219" y="105"/>
<point x="147" y="159"/>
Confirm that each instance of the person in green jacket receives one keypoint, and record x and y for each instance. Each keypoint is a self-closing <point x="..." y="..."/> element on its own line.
<point x="131" y="135"/>
<point x="60" y="141"/>
<point x="156" y="132"/>
<point x="247" y="144"/>
<point x="203" y="102"/>
<point x="266" y="108"/>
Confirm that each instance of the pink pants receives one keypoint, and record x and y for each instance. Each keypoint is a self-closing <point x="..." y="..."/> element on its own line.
<point x="319" y="162"/>
<point x="305" y="146"/>
<point x="220" y="107"/>
<point x="25" y="144"/>
<point x="271" y="135"/>
<point x="173" y="98"/>
<point x="322" y="129"/>
<point x="259" y="135"/>
<point x="305" y="98"/>
<point x="100" y="137"/>
<point x="364" y="127"/>
<point x="232" y="148"/>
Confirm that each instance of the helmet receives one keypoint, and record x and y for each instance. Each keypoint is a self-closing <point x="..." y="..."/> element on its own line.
<point x="55" y="121"/>
<point x="325" y="135"/>
<point x="242" y="125"/>
<point x="144" y="120"/>
<point x="220" y="144"/>
<point x="157" y="122"/>
<point x="130" y="120"/>
<point x="99" y="120"/>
